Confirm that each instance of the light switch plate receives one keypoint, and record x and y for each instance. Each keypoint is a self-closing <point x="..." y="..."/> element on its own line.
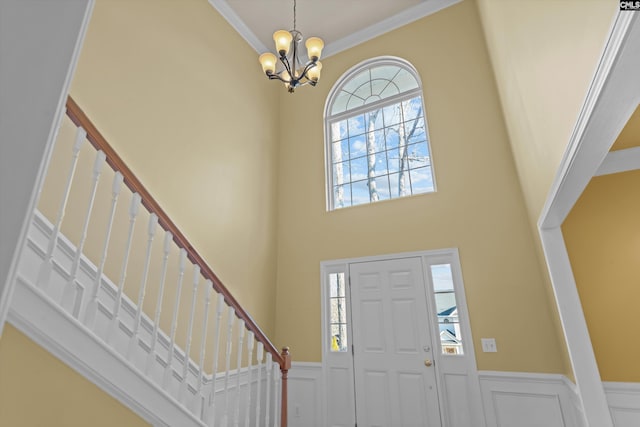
<point x="489" y="345"/>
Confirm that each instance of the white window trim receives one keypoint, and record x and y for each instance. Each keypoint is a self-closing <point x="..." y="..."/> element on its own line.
<point x="329" y="119"/>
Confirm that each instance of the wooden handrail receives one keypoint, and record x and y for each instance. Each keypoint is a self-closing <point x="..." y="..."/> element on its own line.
<point x="79" y="118"/>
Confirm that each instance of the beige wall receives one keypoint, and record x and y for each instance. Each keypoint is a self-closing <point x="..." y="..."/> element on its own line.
<point x="181" y="97"/>
<point x="603" y="242"/>
<point x="36" y="389"/>
<point x="544" y="54"/>
<point x="478" y="207"/>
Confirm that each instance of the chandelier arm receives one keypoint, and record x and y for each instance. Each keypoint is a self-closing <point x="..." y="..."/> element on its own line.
<point x="309" y="66"/>
<point x="287" y="66"/>
<point x="276" y="76"/>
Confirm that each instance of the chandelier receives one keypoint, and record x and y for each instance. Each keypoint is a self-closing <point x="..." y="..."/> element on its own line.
<point x="292" y="72"/>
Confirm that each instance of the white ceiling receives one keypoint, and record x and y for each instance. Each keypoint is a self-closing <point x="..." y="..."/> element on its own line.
<point x="340" y="23"/>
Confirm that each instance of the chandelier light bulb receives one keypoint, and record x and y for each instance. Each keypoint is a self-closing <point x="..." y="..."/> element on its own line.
<point x="314" y="48"/>
<point x="268" y="62"/>
<point x="314" y="72"/>
<point x="283" y="40"/>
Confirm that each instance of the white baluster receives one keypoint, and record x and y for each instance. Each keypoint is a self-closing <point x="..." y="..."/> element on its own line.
<point x="203" y="340"/>
<point x="133" y="213"/>
<point x="185" y="367"/>
<point x="250" y="343"/>
<point x="44" y="274"/>
<point x="216" y="351"/>
<point x="259" y="357"/>
<point x="174" y="321"/>
<point x="268" y="385"/>
<point x="68" y="300"/>
<point x="236" y="413"/>
<point x="231" y="318"/>
<point x="168" y="238"/>
<point x="151" y="232"/>
<point x="91" y="309"/>
<point x="276" y="394"/>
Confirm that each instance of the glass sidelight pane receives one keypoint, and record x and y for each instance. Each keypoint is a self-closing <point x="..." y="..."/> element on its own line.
<point x="337" y="312"/>
<point x="446" y="309"/>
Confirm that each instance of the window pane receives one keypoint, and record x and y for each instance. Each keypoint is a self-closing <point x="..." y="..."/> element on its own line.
<point x="391" y="115"/>
<point x="421" y="180"/>
<point x="392" y="137"/>
<point x="393" y="184"/>
<point x="340" y="150"/>
<point x="341" y="173"/>
<point x="382" y="185"/>
<point x="381" y="163"/>
<point x="337" y="312"/>
<point x="418" y="155"/>
<point x="447" y="309"/>
<point x="345" y="192"/>
<point x="358" y="168"/>
<point x="356" y="125"/>
<point x="359" y="193"/>
<point x="442" y="277"/>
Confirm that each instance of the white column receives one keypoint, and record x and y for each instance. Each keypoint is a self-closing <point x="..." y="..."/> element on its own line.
<point x="174" y="320"/>
<point x="168" y="238"/>
<point x="250" y="343"/>
<point x="45" y="269"/>
<point x="133" y="213"/>
<point x="151" y="232"/>
<point x="236" y="412"/>
<point x="68" y="300"/>
<point x="269" y="382"/>
<point x="260" y="358"/>
<point x="91" y="309"/>
<point x="216" y="351"/>
<point x="203" y="343"/>
<point x="230" y="320"/>
<point x="185" y="366"/>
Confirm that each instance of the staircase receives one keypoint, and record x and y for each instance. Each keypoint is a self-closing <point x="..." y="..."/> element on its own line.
<point x="127" y="301"/>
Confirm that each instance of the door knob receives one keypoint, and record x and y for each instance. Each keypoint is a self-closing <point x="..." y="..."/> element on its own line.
<point x="428" y="362"/>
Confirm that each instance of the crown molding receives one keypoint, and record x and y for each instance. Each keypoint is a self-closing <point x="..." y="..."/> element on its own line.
<point x="238" y="24"/>
<point x="419" y="11"/>
<point x="426" y="8"/>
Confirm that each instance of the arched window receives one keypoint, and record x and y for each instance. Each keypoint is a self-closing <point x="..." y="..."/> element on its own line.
<point x="376" y="139"/>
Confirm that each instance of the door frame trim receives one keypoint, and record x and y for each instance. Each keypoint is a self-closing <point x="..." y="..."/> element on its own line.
<point x="448" y="255"/>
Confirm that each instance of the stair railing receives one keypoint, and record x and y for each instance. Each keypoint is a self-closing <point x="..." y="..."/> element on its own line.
<point x="208" y="407"/>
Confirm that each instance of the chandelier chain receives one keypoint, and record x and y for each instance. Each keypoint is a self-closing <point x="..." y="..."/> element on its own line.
<point x="294" y="15"/>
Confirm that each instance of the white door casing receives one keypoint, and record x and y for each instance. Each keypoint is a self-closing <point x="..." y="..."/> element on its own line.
<point x="456" y="376"/>
<point x="395" y="379"/>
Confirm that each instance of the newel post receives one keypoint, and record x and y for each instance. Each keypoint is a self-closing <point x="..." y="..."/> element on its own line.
<point x="284" y="368"/>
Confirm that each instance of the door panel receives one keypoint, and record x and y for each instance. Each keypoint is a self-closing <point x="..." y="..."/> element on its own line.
<point x="392" y="340"/>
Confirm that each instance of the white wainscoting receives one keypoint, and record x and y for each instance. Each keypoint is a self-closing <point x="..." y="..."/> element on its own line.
<point x="513" y="399"/>
<point x="306" y="395"/>
<point x="509" y="399"/>
<point x="624" y="403"/>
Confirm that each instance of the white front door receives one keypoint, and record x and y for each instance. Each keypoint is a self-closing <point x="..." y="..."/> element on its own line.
<point x="395" y="377"/>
